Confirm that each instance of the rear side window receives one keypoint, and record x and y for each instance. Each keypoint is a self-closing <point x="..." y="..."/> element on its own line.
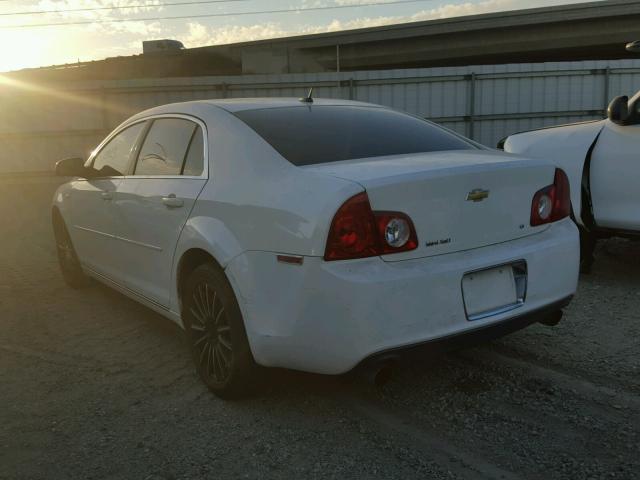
<point x="194" y="163"/>
<point x="307" y="135"/>
<point x="113" y="159"/>
<point x="165" y="147"/>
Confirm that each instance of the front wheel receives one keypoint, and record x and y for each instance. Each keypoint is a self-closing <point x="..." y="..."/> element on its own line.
<point x="216" y="334"/>
<point x="67" y="258"/>
<point x="587" y="248"/>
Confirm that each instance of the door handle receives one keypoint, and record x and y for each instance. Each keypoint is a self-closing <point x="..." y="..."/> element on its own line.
<point x="170" y="201"/>
<point x="107" y="195"/>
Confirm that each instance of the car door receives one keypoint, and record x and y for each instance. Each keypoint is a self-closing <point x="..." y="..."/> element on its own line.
<point x="92" y="214"/>
<point x="154" y="203"/>
<point x="614" y="177"/>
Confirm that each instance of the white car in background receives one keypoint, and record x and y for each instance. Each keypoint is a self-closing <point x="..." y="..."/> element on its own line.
<point x="602" y="160"/>
<point x="316" y="235"/>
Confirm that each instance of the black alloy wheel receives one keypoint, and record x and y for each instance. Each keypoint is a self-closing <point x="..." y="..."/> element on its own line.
<point x="211" y="334"/>
<point x="216" y="334"/>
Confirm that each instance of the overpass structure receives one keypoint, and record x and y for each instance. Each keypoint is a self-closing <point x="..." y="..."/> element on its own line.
<point x="587" y="31"/>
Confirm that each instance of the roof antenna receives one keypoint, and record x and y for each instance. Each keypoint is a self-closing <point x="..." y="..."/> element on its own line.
<point x="308" y="98"/>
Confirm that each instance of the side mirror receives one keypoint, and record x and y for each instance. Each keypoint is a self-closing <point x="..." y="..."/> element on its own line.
<point x="71" y="167"/>
<point x="618" y="110"/>
<point x="633" y="47"/>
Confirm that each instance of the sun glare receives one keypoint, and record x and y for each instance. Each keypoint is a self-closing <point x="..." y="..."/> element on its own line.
<point x="28" y="48"/>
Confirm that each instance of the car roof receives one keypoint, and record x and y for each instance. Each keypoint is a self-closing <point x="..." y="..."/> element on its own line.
<point x="239" y="104"/>
<point x="233" y="105"/>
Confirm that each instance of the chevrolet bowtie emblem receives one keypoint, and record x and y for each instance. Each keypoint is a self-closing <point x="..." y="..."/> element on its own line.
<point x="477" y="195"/>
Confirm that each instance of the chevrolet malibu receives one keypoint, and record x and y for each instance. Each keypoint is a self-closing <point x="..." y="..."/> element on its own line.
<point x="317" y="235"/>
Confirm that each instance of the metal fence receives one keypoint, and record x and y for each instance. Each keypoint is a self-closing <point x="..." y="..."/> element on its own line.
<point x="42" y="123"/>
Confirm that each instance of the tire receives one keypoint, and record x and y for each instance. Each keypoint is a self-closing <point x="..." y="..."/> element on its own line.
<point x="216" y="334"/>
<point x="588" y="238"/>
<point x="67" y="258"/>
<point x="587" y="248"/>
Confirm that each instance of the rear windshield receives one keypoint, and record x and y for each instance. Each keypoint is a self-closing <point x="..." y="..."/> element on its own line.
<point x="307" y="135"/>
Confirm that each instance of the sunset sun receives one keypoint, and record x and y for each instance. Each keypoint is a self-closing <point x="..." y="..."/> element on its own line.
<point x="27" y="48"/>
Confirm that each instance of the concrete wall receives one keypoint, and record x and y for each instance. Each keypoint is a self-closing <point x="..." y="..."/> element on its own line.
<point x="40" y="124"/>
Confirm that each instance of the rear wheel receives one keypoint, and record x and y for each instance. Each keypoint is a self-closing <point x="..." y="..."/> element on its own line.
<point x="67" y="258"/>
<point x="216" y="334"/>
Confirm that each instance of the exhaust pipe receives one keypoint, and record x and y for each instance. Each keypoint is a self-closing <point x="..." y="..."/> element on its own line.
<point x="552" y="319"/>
<point x="378" y="372"/>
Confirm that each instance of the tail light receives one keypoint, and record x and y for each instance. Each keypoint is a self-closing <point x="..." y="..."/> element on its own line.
<point x="358" y="232"/>
<point x="552" y="203"/>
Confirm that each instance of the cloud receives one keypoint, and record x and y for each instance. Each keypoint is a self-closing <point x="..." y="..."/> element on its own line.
<point x="143" y="30"/>
<point x="58" y="11"/>
<point x="58" y="15"/>
<point x="358" y="2"/>
<point x="58" y="5"/>
<point x="313" y="3"/>
<point x="200" y="35"/>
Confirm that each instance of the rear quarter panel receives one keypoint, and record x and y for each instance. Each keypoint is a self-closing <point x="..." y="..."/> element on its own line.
<point x="567" y="146"/>
<point x="255" y="200"/>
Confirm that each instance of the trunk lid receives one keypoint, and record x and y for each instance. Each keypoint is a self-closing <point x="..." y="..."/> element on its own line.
<point x="457" y="200"/>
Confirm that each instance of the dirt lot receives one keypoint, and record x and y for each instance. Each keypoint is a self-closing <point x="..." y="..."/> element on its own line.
<point x="93" y="385"/>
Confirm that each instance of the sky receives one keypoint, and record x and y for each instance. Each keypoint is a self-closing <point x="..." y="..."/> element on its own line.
<point x="22" y="47"/>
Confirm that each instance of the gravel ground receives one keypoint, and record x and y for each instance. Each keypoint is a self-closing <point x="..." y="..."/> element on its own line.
<point x="93" y="385"/>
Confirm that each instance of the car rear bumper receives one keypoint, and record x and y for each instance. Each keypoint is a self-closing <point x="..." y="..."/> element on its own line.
<point x="327" y="317"/>
<point x="474" y="336"/>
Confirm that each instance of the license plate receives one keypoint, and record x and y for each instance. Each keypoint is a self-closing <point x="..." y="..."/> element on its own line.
<point x="488" y="292"/>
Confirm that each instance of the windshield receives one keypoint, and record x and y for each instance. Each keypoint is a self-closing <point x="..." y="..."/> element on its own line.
<point x="307" y="135"/>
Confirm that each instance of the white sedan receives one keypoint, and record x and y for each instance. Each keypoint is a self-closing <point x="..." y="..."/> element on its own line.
<point x="317" y="235"/>
<point x="602" y="160"/>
